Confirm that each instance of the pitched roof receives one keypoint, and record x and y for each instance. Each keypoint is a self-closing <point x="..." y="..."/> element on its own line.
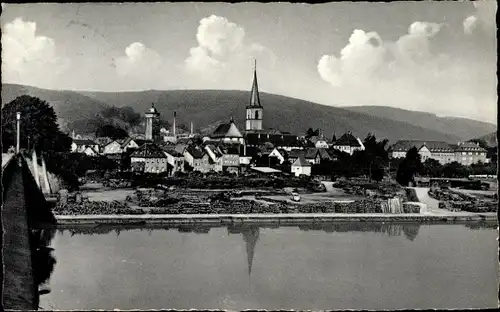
<point x="228" y="130"/>
<point x="180" y="148"/>
<point x="215" y="149"/>
<point x="127" y="141"/>
<point x="296" y="153"/>
<point x="171" y="150"/>
<point x="432" y="146"/>
<point x="310" y="153"/>
<point x="347" y="139"/>
<point x="149" y="150"/>
<point x="301" y="162"/>
<point x="195" y="151"/>
<point x="469" y="146"/>
<point x="84" y="142"/>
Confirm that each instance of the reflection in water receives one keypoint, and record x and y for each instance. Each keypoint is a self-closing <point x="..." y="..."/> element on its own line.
<point x="250" y="236"/>
<point x="482" y="225"/>
<point x="337" y="264"/>
<point x="410" y="230"/>
<point x="43" y="259"/>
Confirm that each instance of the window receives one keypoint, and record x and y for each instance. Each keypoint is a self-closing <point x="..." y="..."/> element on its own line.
<point x="257" y="114"/>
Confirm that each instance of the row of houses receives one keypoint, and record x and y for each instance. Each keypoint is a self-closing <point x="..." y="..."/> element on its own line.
<point x="465" y="153"/>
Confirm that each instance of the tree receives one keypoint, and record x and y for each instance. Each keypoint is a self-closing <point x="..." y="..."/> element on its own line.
<point x="373" y="159"/>
<point x="456" y="170"/>
<point x="112" y="132"/>
<point x="38" y="126"/>
<point x="432" y="168"/>
<point x="410" y="166"/>
<point x="309" y="133"/>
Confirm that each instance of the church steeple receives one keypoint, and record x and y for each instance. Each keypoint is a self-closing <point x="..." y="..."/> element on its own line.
<point x="254" y="96"/>
<point x="254" y="108"/>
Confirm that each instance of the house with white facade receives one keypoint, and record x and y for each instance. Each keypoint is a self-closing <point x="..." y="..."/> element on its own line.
<point x="468" y="153"/>
<point x="79" y="146"/>
<point x="348" y="143"/>
<point x="301" y="167"/>
<point x="438" y="150"/>
<point x="113" y="147"/>
<point x="174" y="159"/>
<point x="149" y="158"/>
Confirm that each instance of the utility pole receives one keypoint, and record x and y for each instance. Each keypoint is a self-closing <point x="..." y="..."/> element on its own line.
<point x="18" y="120"/>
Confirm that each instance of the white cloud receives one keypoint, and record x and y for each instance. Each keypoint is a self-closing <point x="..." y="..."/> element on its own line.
<point x="222" y="49"/>
<point x="470" y="24"/>
<point x="28" y="58"/>
<point x="407" y="73"/>
<point x="359" y="60"/>
<point x="140" y="67"/>
<point x="484" y="20"/>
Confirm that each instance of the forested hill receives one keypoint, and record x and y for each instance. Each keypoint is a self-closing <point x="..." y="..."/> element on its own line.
<point x="207" y="107"/>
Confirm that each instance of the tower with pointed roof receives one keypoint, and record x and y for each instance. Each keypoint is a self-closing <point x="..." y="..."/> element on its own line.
<point x="254" y="109"/>
<point x="151" y="114"/>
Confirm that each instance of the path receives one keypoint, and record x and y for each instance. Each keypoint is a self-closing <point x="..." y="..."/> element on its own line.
<point x="433" y="204"/>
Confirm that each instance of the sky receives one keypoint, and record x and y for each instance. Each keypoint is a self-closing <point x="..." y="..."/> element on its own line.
<point x="438" y="57"/>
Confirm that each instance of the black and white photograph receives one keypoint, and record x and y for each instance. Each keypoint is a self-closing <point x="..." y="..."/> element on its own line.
<point x="249" y="155"/>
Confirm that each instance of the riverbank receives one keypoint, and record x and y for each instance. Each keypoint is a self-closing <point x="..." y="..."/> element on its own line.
<point x="283" y="219"/>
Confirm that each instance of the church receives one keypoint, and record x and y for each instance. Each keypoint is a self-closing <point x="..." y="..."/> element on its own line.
<point x="255" y="137"/>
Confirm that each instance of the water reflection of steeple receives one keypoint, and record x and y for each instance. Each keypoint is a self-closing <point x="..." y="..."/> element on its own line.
<point x="250" y="236"/>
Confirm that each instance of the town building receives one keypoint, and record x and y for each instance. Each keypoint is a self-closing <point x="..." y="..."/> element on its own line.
<point x="129" y="144"/>
<point x="230" y="158"/>
<point x="198" y="158"/>
<point x="348" y="143"/>
<point x="227" y="133"/>
<point x="438" y="150"/>
<point x="149" y="158"/>
<point x="113" y="147"/>
<point x="175" y="160"/>
<point x="468" y="153"/>
<point x="301" y="167"/>
<point x="80" y="146"/>
<point x="91" y="151"/>
<point x="215" y="156"/>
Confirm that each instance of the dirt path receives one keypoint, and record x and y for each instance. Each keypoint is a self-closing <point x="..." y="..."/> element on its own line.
<point x="433" y="204"/>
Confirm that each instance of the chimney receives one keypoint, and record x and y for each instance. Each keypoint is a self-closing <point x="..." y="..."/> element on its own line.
<point x="173" y="128"/>
<point x="18" y="121"/>
<point x="191" y="128"/>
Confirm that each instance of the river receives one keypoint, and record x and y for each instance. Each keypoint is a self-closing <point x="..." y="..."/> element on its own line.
<point x="339" y="266"/>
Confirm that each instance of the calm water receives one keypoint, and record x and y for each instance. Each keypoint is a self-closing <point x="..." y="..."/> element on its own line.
<point x="342" y="266"/>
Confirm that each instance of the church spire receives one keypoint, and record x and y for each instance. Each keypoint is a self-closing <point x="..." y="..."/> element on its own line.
<point x="254" y="97"/>
<point x="250" y="236"/>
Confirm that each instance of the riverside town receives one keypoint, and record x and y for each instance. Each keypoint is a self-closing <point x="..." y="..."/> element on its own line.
<point x="136" y="199"/>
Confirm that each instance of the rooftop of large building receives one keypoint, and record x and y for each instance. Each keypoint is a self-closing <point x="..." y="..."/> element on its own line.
<point x="347" y="139"/>
<point x="148" y="150"/>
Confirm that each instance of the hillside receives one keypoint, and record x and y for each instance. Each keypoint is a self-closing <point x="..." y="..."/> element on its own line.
<point x="68" y="105"/>
<point x="490" y="139"/>
<point x="461" y="127"/>
<point x="205" y="108"/>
